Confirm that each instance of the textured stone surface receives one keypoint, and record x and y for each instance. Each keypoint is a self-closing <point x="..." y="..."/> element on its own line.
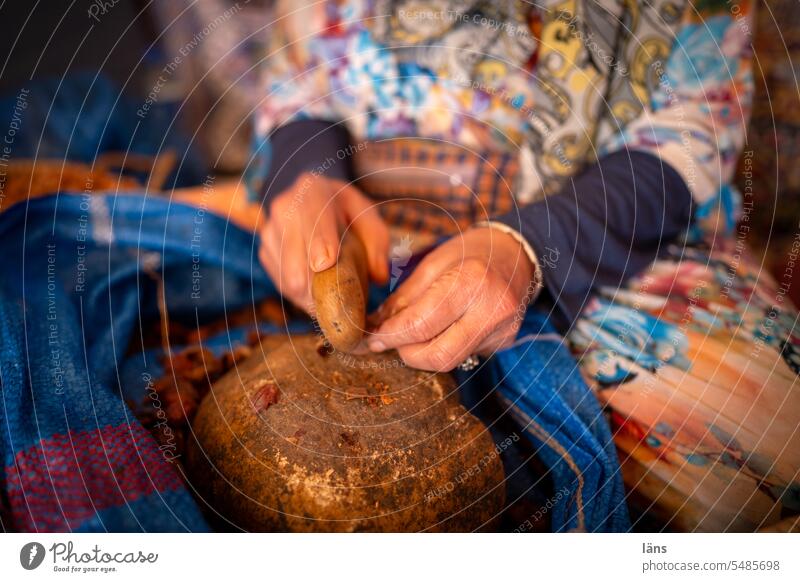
<point x="307" y="440"/>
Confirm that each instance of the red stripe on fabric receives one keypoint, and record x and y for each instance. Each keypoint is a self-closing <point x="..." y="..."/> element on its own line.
<point x="65" y="479"/>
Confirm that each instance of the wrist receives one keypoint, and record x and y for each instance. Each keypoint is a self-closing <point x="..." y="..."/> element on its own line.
<point x="531" y="270"/>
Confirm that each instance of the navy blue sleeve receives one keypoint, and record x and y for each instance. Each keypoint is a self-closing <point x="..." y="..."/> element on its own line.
<point x="605" y="225"/>
<point x="307" y="145"/>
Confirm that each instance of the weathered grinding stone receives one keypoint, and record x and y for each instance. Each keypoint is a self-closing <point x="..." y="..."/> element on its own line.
<point x="308" y="440"/>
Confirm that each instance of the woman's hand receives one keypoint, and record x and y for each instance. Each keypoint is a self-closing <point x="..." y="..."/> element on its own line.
<point x="467" y="296"/>
<point x="304" y="229"/>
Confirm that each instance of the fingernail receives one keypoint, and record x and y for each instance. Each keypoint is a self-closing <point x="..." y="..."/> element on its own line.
<point x="377" y="346"/>
<point x="321" y="260"/>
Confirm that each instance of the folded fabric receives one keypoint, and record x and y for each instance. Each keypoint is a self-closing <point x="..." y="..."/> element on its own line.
<point x="75" y="291"/>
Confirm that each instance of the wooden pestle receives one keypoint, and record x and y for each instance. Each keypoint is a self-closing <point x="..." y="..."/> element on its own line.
<point x="340" y="295"/>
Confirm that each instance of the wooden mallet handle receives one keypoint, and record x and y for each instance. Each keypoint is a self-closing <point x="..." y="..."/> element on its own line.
<point x="340" y="296"/>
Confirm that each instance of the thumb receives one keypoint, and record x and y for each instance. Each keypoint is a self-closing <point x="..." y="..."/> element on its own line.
<point x="323" y="241"/>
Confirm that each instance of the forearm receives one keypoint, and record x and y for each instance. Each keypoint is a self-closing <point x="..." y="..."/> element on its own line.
<point x="607" y="224"/>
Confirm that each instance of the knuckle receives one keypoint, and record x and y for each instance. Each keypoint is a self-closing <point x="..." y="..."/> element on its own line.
<point x="455" y="298"/>
<point x="473" y="270"/>
<point x="394" y="305"/>
<point x="426" y="268"/>
<point x="413" y="358"/>
<point x="442" y="357"/>
<point x="507" y="303"/>
<point x="416" y="329"/>
<point x="294" y="286"/>
<point x="281" y="206"/>
<point x="448" y="283"/>
<point x="306" y="183"/>
<point x="400" y="330"/>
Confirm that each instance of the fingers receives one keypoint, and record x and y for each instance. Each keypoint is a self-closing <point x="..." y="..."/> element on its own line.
<point x="322" y="238"/>
<point x="467" y="308"/>
<point x="293" y="268"/>
<point x="284" y="256"/>
<point x="470" y="334"/>
<point x="428" y="271"/>
<point x="303" y="235"/>
<point x="297" y="238"/>
<point x="436" y="309"/>
<point x="368" y="225"/>
<point x="451" y="347"/>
